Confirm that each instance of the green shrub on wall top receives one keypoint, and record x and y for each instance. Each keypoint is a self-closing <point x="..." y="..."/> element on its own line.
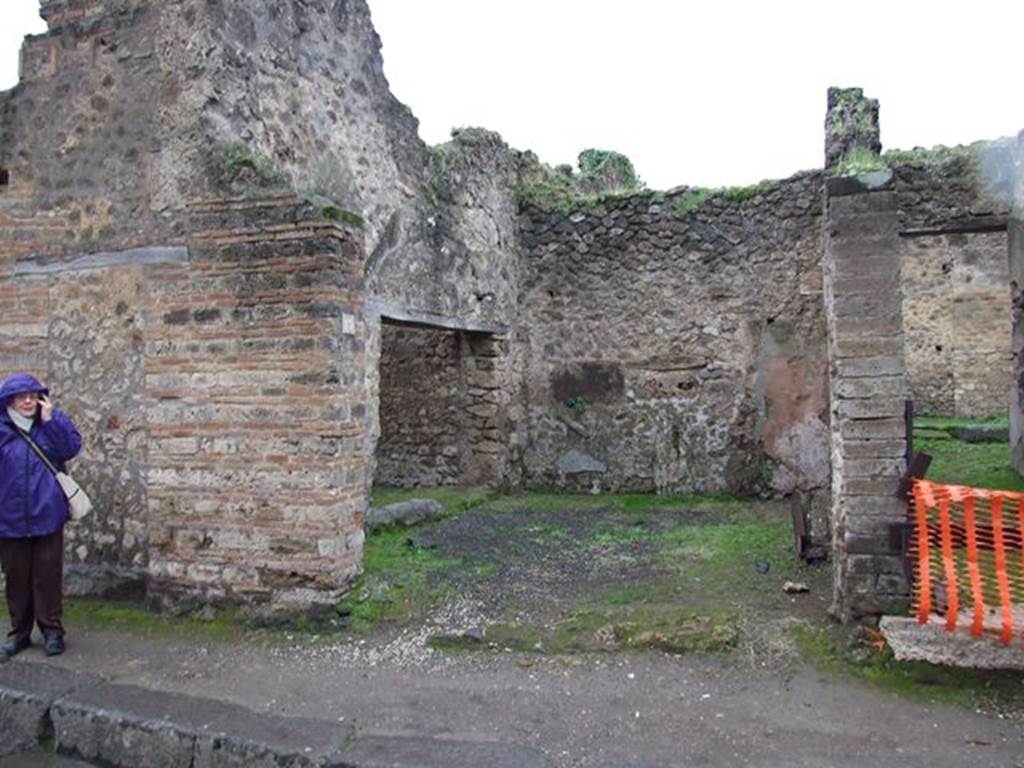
<point x="608" y="170"/>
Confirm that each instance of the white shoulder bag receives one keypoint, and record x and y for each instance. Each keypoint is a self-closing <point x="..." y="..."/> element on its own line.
<point x="79" y="502"/>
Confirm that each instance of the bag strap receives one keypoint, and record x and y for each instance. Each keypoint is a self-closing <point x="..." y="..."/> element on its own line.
<point x="38" y="450"/>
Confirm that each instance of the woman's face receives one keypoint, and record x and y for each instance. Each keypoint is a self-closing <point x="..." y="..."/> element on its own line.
<point x="25" y="403"/>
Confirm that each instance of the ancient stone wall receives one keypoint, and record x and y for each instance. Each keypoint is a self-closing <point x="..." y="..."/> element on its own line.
<point x="676" y="342"/>
<point x="952" y="206"/>
<point x="159" y="318"/>
<point x="212" y="353"/>
<point x="956" y="311"/>
<point x="213" y="215"/>
<point x="61" y="161"/>
<point x="467" y="281"/>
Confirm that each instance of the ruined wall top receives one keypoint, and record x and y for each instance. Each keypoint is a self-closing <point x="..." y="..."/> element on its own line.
<point x="130" y="111"/>
<point x="163" y="103"/>
<point x="851" y="128"/>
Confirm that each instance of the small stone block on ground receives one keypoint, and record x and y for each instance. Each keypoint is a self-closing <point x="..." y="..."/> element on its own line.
<point x="407" y="513"/>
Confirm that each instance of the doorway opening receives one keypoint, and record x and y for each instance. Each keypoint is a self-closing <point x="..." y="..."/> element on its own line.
<point x="439" y="407"/>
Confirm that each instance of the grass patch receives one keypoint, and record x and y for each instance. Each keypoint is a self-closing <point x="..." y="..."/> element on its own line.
<point x="399" y="580"/>
<point x="119" y="616"/>
<point x="693" y="199"/>
<point x="998" y="690"/>
<point x="741" y="194"/>
<point x="623" y="535"/>
<point x="237" y="165"/>
<point x="725" y="551"/>
<point x="981" y="465"/>
<point x="542" y="533"/>
<point x="645" y="501"/>
<point x="644" y="593"/>
<point x="957" y="462"/>
<point x="667" y="628"/>
<point x="945" y="422"/>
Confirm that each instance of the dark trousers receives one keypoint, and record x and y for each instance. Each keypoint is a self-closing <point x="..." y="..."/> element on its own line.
<point x="34" y="569"/>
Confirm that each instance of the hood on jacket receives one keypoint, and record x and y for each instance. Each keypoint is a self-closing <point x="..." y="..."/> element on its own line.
<point x="17" y="383"/>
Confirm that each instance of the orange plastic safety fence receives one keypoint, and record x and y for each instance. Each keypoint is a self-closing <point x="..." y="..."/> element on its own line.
<point x="967" y="548"/>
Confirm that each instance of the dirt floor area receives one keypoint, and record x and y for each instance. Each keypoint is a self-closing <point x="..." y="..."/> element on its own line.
<point x="610" y="631"/>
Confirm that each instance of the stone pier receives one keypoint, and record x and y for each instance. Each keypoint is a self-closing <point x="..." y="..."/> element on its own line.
<point x="866" y="365"/>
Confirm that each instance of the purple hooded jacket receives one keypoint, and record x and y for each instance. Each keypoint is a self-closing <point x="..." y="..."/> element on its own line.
<point x="31" y="501"/>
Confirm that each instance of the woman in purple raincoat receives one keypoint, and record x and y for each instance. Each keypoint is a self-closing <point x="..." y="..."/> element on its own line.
<point x="33" y="511"/>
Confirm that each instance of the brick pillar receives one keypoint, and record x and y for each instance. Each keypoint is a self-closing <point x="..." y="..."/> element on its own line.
<point x="1016" y="240"/>
<point x="255" y="385"/>
<point x="863" y="308"/>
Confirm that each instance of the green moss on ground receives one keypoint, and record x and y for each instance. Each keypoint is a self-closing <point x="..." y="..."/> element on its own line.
<point x="672" y="629"/>
<point x="122" y="616"/>
<point x="945" y="422"/>
<point x="720" y="504"/>
<point x="399" y="580"/>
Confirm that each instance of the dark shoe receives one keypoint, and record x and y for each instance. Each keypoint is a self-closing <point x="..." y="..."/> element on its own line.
<point x="14" y="646"/>
<point x="53" y="643"/>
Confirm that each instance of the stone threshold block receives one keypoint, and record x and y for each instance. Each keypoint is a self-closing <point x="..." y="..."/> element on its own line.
<point x="931" y="642"/>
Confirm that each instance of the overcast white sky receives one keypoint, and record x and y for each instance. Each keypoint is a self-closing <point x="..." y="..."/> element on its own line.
<point x="703" y="93"/>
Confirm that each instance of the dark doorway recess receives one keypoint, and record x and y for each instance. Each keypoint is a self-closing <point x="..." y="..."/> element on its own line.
<point x="439" y="405"/>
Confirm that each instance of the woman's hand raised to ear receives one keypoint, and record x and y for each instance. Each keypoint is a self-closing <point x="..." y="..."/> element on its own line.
<point x="45" y="408"/>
